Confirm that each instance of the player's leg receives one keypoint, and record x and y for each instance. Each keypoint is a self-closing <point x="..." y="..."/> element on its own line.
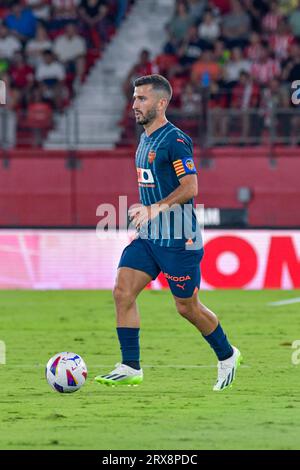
<point x="136" y="269"/>
<point x="196" y="313"/>
<point x="129" y="283"/>
<point x="182" y="269"/>
<point x="229" y="357"/>
<point x="206" y="322"/>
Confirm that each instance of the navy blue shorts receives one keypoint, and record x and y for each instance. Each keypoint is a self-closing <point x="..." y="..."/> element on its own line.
<point x="181" y="267"/>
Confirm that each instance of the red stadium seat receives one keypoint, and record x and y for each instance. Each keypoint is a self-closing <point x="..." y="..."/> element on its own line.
<point x="178" y="84"/>
<point x="39" y="116"/>
<point x="165" y="62"/>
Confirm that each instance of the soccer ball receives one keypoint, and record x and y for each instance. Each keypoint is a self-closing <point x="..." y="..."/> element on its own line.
<point x="66" y="372"/>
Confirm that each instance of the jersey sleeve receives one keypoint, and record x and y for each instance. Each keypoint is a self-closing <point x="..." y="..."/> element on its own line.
<point x="181" y="156"/>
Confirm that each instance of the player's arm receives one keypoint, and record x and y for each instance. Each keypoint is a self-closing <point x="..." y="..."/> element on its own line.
<point x="187" y="190"/>
<point x="182" y="161"/>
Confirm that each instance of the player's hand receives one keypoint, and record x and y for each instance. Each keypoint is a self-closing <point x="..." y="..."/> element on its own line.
<point x="140" y="215"/>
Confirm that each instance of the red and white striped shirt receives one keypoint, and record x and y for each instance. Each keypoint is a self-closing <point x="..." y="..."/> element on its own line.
<point x="271" y="21"/>
<point x="280" y="44"/>
<point x="253" y="52"/>
<point x="262" y="72"/>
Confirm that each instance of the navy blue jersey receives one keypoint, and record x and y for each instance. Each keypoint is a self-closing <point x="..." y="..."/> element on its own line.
<point x="161" y="160"/>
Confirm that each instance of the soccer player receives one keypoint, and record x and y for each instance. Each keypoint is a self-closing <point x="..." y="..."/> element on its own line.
<point x="167" y="180"/>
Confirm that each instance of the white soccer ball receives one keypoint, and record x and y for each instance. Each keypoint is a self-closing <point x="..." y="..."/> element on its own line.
<point x="66" y="372"/>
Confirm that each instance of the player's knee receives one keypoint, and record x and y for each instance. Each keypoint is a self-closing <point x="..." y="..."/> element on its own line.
<point x="183" y="308"/>
<point x="123" y="295"/>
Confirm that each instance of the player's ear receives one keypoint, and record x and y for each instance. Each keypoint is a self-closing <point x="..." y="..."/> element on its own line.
<point x="163" y="103"/>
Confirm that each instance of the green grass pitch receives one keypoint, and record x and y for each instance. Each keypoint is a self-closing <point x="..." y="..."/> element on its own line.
<point x="175" y="407"/>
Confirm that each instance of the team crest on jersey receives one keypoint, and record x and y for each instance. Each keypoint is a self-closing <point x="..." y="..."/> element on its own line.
<point x="151" y="156"/>
<point x="189" y="164"/>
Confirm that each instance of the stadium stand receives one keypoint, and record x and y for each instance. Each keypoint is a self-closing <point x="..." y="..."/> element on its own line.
<point x="47" y="49"/>
<point x="204" y="47"/>
<point x="231" y="64"/>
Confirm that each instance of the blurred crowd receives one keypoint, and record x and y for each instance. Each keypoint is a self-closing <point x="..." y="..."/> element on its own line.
<point x="241" y="55"/>
<point x="46" y="49"/>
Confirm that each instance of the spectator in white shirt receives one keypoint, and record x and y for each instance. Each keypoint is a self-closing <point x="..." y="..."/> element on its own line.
<point x="51" y="75"/>
<point x="70" y="49"/>
<point x="9" y="44"/>
<point x="40" y="8"/>
<point x="50" y="71"/>
<point x="209" y="29"/>
<point x="35" y="47"/>
<point x="235" y="66"/>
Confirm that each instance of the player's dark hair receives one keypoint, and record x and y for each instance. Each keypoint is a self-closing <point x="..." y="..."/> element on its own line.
<point x="158" y="83"/>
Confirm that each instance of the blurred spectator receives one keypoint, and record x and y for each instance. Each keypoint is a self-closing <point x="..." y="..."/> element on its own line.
<point x="93" y="14"/>
<point x="213" y="8"/>
<point x="4" y="65"/>
<point x="35" y="47"/>
<point x="246" y="93"/>
<point x="70" y="49"/>
<point x="236" y="25"/>
<point x="235" y="66"/>
<point x="217" y="97"/>
<point x="191" y="100"/>
<point x="180" y="23"/>
<point x="218" y="117"/>
<point x="40" y="8"/>
<point x="143" y="67"/>
<point x="287" y="6"/>
<point x="21" y="22"/>
<point x="205" y="69"/>
<point x="294" y="20"/>
<point x="8" y="122"/>
<point x="291" y="66"/>
<point x="21" y="73"/>
<point x="13" y="95"/>
<point x="256" y="10"/>
<point x="253" y="50"/>
<point x="245" y="97"/>
<point x="122" y="6"/>
<point x="272" y="18"/>
<point x="281" y="41"/>
<point x="9" y="44"/>
<point x="171" y="46"/>
<point x="50" y="71"/>
<point x="275" y="102"/>
<point x="209" y="29"/>
<point x="222" y="5"/>
<point x="275" y="95"/>
<point x="64" y="11"/>
<point x="265" y="68"/>
<point x="221" y="54"/>
<point x="51" y="75"/>
<point x="191" y="49"/>
<point x="196" y="8"/>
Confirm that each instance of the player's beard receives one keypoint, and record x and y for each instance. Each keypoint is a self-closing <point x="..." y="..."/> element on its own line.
<point x="144" y="119"/>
